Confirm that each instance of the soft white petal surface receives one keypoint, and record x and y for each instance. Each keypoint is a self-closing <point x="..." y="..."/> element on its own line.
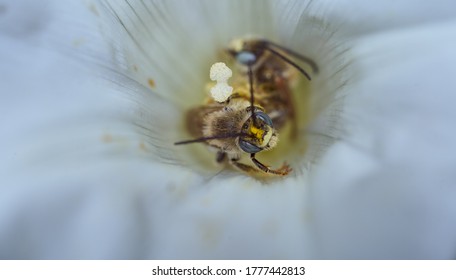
<point x="74" y="169"/>
<point x="388" y="188"/>
<point x="361" y="17"/>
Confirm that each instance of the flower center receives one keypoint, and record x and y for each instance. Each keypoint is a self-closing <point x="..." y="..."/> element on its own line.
<point x="268" y="91"/>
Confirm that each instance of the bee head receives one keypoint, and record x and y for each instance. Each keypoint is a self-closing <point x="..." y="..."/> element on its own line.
<point x="246" y="52"/>
<point x="258" y="134"/>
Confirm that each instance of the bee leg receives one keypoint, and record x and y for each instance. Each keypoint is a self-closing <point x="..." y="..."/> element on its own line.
<point x="282" y="171"/>
<point x="243" y="167"/>
<point x="220" y="157"/>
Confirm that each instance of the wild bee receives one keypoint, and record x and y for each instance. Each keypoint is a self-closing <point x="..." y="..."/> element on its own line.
<point x="261" y="103"/>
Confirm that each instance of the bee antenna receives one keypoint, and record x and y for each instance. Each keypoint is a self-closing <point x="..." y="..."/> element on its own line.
<point x="270" y="46"/>
<point x="202" y="139"/>
<point x="295" y="54"/>
<point x="290" y="62"/>
<point x="252" y="98"/>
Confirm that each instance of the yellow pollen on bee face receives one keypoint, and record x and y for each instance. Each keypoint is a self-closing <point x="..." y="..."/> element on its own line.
<point x="258" y="134"/>
<point x="262" y="136"/>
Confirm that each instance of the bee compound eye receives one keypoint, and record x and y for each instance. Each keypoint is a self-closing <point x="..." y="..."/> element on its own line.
<point x="248" y="147"/>
<point x="246" y="58"/>
<point x="264" y="117"/>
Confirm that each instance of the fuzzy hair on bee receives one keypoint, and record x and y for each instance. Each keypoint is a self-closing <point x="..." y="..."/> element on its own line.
<point x="246" y="121"/>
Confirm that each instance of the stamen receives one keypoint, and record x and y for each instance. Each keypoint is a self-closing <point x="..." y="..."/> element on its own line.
<point x="221" y="73"/>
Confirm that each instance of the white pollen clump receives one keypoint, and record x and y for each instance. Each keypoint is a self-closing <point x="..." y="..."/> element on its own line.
<point x="220" y="73"/>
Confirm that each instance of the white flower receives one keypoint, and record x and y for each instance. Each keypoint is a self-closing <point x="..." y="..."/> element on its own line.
<point x="93" y="96"/>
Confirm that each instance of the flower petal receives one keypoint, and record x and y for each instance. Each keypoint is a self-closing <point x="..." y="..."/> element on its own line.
<point x="162" y="40"/>
<point x="76" y="161"/>
<point x="386" y="190"/>
<point x="362" y="17"/>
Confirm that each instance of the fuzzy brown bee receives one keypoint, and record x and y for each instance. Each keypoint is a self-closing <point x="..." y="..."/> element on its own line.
<point x="248" y="120"/>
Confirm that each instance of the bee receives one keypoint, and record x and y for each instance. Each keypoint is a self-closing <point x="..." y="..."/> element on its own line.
<point x="261" y="104"/>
